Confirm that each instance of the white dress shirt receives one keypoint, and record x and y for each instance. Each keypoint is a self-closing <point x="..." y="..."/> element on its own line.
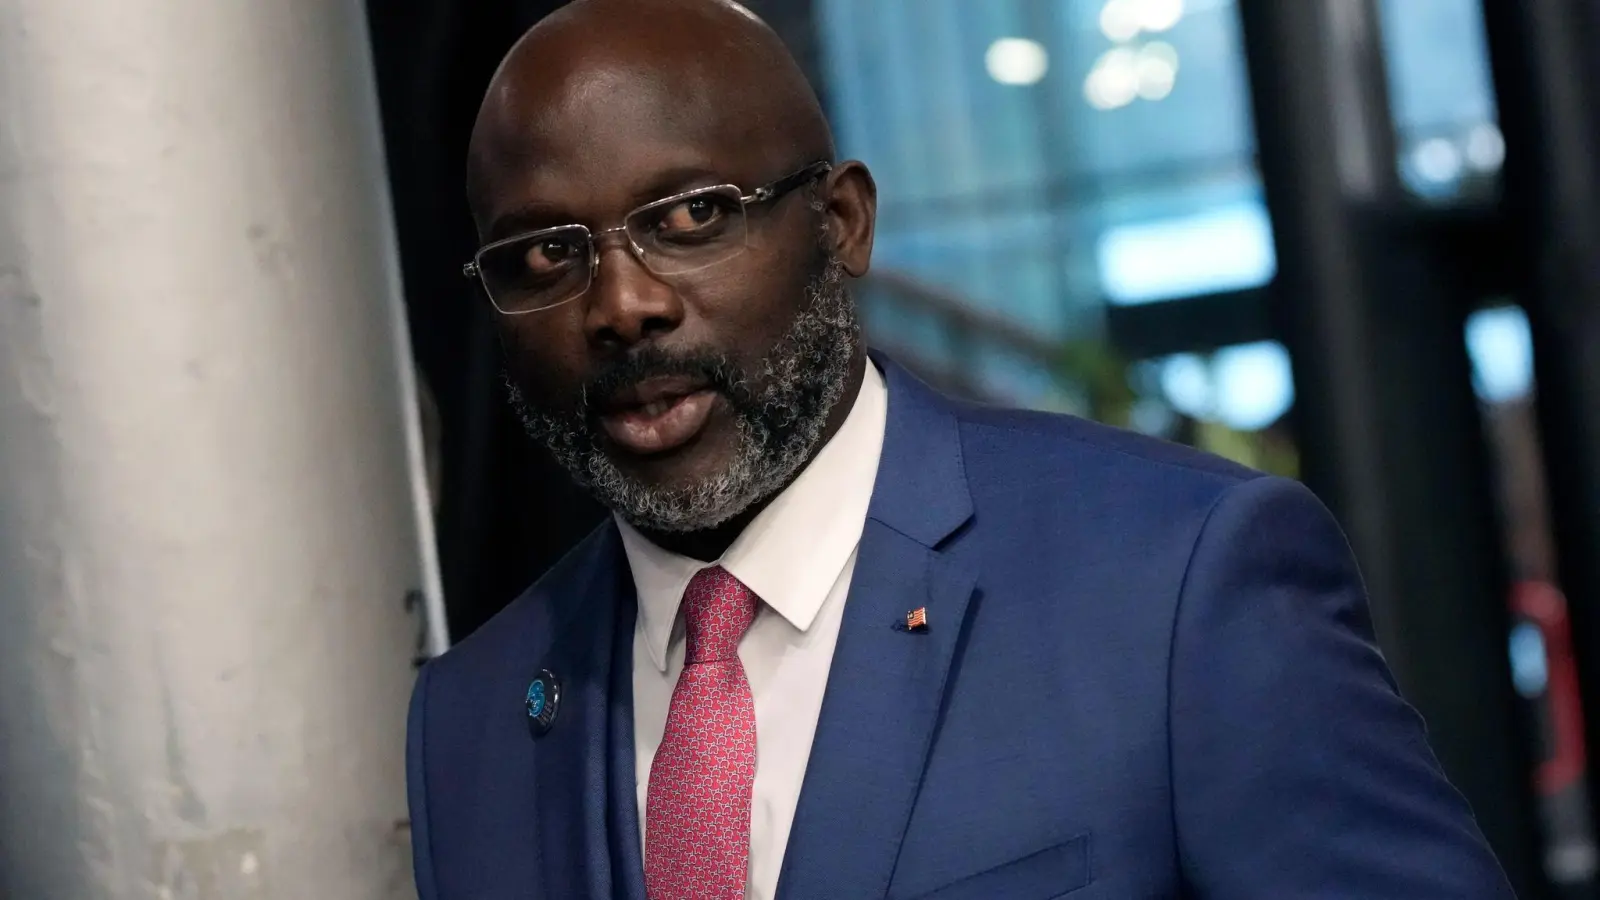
<point x="797" y="555"/>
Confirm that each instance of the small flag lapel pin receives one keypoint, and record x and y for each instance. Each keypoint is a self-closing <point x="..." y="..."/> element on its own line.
<point x="917" y="619"/>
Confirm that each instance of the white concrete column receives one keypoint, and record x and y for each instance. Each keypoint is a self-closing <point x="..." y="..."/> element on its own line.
<point x="211" y="493"/>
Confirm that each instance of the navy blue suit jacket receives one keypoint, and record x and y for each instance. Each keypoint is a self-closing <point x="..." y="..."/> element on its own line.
<point x="1147" y="673"/>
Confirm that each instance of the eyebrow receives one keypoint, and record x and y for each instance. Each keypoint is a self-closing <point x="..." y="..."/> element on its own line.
<point x="528" y="217"/>
<point x="538" y="214"/>
<point x="675" y="181"/>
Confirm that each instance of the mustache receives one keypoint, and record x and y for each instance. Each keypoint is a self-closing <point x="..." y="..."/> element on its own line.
<point x="707" y="366"/>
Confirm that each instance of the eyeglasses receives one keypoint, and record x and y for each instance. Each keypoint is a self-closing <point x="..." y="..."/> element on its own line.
<point x="672" y="237"/>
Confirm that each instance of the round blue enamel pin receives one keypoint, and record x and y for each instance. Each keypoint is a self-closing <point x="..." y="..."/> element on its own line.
<point x="543" y="702"/>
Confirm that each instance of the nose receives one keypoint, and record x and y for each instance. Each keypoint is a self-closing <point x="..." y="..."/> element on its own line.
<point x="627" y="303"/>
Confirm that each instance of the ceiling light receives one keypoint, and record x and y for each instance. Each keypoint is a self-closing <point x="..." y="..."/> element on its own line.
<point x="1017" y="61"/>
<point x="1119" y="20"/>
<point x="1486" y="148"/>
<point x="1437" y="160"/>
<point x="1157" y="70"/>
<point x="1159" y="15"/>
<point x="1113" y="80"/>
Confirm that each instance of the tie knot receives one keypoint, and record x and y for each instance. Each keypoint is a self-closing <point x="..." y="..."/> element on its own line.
<point x="717" y="609"/>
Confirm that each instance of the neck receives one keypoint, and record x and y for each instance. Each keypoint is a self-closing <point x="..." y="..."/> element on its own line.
<point x="712" y="543"/>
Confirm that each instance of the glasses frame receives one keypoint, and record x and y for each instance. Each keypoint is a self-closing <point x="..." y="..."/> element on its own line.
<point x="767" y="193"/>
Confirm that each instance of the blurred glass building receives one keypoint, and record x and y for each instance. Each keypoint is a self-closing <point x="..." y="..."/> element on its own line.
<point x="1082" y="171"/>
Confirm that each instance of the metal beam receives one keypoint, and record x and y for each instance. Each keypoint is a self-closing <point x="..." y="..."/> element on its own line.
<point x="211" y="491"/>
<point x="1389" y="428"/>
<point x="1197" y="324"/>
<point x="1545" y="73"/>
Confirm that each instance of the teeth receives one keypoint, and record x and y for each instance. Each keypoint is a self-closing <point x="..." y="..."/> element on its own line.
<point x="656" y="408"/>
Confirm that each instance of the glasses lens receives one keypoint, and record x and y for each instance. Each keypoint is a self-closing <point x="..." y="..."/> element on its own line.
<point x="690" y="232"/>
<point x="536" y="271"/>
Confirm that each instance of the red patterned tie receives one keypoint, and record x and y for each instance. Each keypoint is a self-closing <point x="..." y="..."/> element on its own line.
<point x="697" y="811"/>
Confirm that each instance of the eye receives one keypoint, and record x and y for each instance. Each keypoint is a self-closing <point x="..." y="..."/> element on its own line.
<point x="692" y="214"/>
<point x="551" y="255"/>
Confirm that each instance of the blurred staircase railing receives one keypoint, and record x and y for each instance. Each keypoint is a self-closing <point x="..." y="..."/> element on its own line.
<point x="941" y="335"/>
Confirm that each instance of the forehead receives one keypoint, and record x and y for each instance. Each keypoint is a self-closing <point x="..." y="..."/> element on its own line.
<point x="593" y="143"/>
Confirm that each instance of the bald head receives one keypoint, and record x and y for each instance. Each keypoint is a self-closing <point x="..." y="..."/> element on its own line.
<point x="597" y="74"/>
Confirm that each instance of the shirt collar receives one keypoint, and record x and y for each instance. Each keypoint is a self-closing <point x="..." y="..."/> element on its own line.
<point x="823" y="511"/>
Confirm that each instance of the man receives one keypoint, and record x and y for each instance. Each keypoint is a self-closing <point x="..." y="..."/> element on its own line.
<point x="846" y="638"/>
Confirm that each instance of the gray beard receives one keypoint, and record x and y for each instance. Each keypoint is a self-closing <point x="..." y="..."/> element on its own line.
<point x="780" y="423"/>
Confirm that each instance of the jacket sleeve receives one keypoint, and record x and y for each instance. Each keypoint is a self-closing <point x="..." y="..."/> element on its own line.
<point x="1298" y="771"/>
<point x="417" y="789"/>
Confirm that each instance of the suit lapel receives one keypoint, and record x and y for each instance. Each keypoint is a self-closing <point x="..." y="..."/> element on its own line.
<point x="570" y="762"/>
<point x="627" y="859"/>
<point x="887" y="684"/>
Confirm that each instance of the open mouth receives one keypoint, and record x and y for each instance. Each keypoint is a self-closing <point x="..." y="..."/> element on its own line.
<point x="658" y="414"/>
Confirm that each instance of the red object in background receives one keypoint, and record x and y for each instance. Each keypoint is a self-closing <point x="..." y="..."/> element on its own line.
<point x="1545" y="606"/>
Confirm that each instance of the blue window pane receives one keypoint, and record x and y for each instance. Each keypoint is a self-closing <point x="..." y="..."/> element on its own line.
<point x="1215" y="249"/>
<point x="1530" y="670"/>
<point x="1442" y="97"/>
<point x="1042" y="157"/>
<point x="1501" y="347"/>
<point x="1438" y="64"/>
